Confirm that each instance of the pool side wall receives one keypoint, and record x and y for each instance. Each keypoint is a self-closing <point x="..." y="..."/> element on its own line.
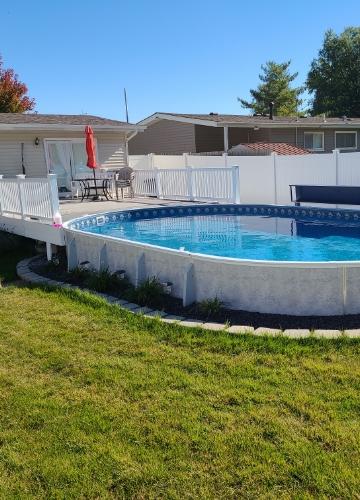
<point x="301" y="289"/>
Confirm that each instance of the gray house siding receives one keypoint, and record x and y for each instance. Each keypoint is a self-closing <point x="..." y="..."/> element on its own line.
<point x="165" y="136"/>
<point x="244" y="135"/>
<point x="111" y="150"/>
<point x="209" y="138"/>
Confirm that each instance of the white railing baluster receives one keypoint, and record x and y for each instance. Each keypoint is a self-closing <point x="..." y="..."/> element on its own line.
<point x="20" y="178"/>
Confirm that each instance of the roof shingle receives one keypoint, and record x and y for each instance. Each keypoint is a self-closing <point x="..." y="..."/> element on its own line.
<point x="280" y="148"/>
<point x="32" y="118"/>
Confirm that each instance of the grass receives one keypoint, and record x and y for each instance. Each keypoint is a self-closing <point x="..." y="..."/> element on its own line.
<point x="98" y="403"/>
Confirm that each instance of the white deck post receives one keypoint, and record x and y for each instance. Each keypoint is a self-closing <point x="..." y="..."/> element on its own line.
<point x="20" y="178"/>
<point x="54" y="195"/>
<point x="190" y="182"/>
<point x="236" y="183"/>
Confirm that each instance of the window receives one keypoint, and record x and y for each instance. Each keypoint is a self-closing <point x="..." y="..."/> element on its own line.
<point x="345" y="140"/>
<point x="314" y="141"/>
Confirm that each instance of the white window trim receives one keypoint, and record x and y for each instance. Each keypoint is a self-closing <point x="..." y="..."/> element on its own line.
<point x="347" y="132"/>
<point x="315" y="149"/>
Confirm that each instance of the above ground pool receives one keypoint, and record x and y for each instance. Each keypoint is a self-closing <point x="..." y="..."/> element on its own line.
<point x="287" y="260"/>
<point x="257" y="236"/>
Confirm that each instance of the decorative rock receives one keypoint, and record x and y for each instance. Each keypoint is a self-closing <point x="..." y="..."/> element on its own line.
<point x="141" y="310"/>
<point x="172" y="318"/>
<point x="111" y="299"/>
<point x="267" y="331"/>
<point x="297" y="334"/>
<point x="152" y="314"/>
<point x="352" y="333"/>
<point x="240" y="329"/>
<point x="329" y="334"/>
<point x="213" y="326"/>
<point x="129" y="305"/>
<point x="191" y="322"/>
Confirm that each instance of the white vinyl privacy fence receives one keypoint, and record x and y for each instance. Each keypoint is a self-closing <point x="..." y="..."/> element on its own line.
<point x="189" y="184"/>
<point x="25" y="197"/>
<point x="261" y="179"/>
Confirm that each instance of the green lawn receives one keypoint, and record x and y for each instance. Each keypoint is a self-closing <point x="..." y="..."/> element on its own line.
<point x="97" y="403"/>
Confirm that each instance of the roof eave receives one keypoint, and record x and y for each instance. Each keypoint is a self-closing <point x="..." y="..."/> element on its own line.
<point x="150" y="120"/>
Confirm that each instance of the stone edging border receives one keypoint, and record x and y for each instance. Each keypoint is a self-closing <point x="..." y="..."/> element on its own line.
<point x="25" y="274"/>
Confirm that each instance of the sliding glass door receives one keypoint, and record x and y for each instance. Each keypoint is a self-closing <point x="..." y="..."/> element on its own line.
<point x="67" y="159"/>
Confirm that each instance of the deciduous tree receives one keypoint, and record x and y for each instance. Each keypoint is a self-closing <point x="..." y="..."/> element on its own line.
<point x="275" y="87"/>
<point x="334" y="77"/>
<point x="13" y="98"/>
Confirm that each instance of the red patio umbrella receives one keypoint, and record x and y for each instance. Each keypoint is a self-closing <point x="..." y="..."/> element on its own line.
<point x="90" y="151"/>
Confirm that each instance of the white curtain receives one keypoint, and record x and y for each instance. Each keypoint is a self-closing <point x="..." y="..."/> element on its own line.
<point x="63" y="151"/>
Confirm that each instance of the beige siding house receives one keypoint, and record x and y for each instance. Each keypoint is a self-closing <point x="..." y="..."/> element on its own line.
<point x="184" y="133"/>
<point x="40" y="144"/>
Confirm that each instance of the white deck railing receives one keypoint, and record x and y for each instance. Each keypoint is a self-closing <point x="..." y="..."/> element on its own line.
<point x="191" y="184"/>
<point x="29" y="197"/>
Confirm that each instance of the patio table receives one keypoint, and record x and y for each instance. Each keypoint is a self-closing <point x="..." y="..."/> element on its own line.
<point x="100" y="186"/>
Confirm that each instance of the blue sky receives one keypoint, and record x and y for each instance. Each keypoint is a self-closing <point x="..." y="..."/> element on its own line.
<point x="172" y="56"/>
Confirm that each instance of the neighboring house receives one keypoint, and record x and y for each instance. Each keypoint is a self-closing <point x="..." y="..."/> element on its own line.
<point x="182" y="133"/>
<point x="41" y="144"/>
<point x="280" y="148"/>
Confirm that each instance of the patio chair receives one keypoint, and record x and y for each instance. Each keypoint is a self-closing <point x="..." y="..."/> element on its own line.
<point x="124" y="180"/>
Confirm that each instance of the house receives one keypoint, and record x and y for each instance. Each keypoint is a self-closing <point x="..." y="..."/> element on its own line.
<point x="185" y="133"/>
<point x="37" y="144"/>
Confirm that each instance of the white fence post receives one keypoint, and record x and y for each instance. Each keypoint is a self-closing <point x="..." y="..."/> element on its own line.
<point x="20" y="178"/>
<point x="275" y="178"/>
<point x="236" y="183"/>
<point x="151" y="161"/>
<point x="159" y="193"/>
<point x="225" y="156"/>
<point x="336" y="154"/>
<point x="190" y="181"/>
<point x="53" y="188"/>
<point x="185" y="156"/>
<point x="1" y="195"/>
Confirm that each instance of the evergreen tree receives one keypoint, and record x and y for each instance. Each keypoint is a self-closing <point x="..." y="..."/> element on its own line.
<point x="275" y="87"/>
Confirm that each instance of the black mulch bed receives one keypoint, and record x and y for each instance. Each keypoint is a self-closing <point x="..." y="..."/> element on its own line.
<point x="173" y="305"/>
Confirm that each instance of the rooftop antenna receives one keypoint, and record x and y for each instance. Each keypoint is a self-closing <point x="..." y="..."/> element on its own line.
<point x="126" y="107"/>
<point x="297" y="112"/>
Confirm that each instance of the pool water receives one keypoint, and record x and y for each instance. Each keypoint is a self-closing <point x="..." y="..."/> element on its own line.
<point x="255" y="237"/>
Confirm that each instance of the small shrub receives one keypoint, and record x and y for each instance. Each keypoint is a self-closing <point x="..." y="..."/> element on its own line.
<point x="211" y="306"/>
<point x="78" y="273"/>
<point x="147" y="293"/>
<point x="103" y="280"/>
